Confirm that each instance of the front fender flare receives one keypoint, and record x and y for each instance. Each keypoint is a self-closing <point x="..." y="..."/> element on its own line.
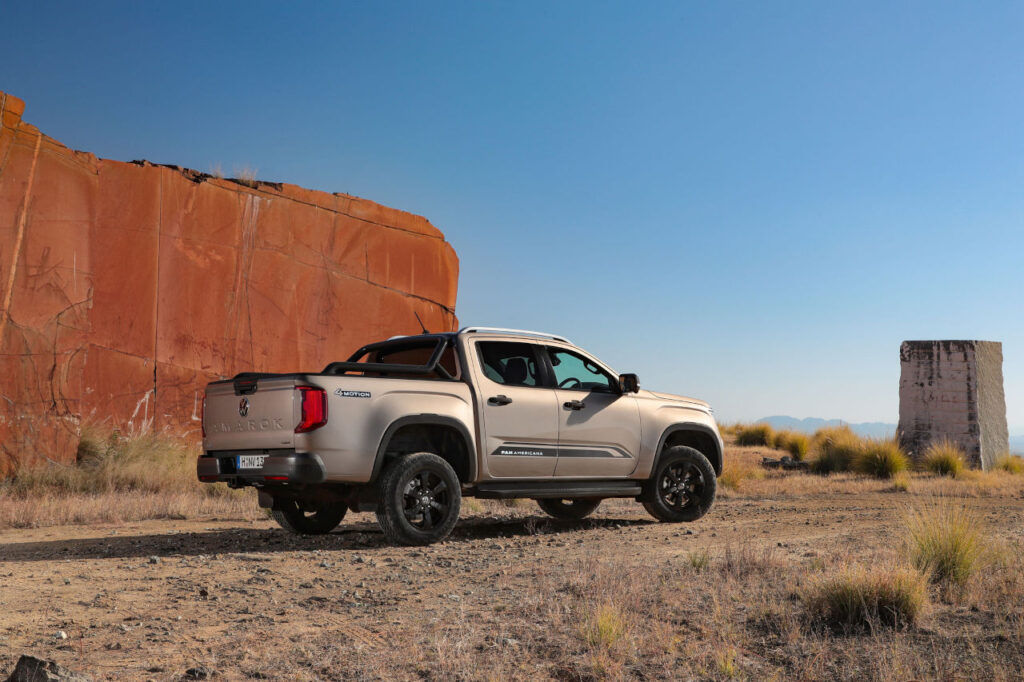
<point x="717" y="461"/>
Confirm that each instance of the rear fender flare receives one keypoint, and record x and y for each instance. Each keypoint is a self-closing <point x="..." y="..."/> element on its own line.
<point x="428" y="420"/>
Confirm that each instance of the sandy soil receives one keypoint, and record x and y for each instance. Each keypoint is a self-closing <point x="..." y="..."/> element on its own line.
<point x="243" y="599"/>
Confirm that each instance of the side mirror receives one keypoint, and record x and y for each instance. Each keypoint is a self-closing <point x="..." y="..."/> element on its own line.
<point x="629" y="383"/>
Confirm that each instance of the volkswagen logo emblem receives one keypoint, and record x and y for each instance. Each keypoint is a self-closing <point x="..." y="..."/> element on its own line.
<point x="243" y="407"/>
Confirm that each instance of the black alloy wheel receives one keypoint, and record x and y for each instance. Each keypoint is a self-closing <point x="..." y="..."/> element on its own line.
<point x="420" y="499"/>
<point x="682" y="487"/>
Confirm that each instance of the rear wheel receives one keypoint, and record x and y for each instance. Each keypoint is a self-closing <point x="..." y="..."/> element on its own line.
<point x="420" y="499"/>
<point x="571" y="509"/>
<point x="682" y="487"/>
<point x="308" y="518"/>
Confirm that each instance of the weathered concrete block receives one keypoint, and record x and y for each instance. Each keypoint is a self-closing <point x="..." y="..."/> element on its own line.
<point x="954" y="390"/>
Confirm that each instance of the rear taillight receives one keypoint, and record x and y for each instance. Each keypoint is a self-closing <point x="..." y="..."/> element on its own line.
<point x="314" y="408"/>
<point x="202" y="416"/>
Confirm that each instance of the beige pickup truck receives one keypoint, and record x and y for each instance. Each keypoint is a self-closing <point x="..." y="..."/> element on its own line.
<point x="409" y="426"/>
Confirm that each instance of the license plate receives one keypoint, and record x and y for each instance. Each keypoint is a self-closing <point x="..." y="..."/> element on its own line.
<point x="250" y="461"/>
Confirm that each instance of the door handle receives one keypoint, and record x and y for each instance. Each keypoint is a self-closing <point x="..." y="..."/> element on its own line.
<point x="574" y="405"/>
<point x="499" y="400"/>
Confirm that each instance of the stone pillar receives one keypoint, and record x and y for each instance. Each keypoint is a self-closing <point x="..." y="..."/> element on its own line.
<point x="954" y="390"/>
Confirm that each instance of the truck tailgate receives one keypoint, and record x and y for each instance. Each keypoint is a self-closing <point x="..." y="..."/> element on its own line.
<point x="264" y="418"/>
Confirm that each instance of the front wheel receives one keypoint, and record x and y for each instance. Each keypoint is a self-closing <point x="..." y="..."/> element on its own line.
<point x="573" y="509"/>
<point x="308" y="518"/>
<point x="682" y="487"/>
<point x="420" y="499"/>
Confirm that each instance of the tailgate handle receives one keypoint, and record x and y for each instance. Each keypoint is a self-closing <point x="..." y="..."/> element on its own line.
<point x="499" y="400"/>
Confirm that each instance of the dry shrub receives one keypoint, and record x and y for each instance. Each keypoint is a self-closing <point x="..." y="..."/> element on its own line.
<point x="945" y="458"/>
<point x="736" y="471"/>
<point x="861" y="598"/>
<point x="947" y="540"/>
<point x="836" y="449"/>
<point x="755" y="434"/>
<point x="881" y="458"/>
<point x="1011" y="464"/>
<point x="604" y="626"/>
<point x="795" y="443"/>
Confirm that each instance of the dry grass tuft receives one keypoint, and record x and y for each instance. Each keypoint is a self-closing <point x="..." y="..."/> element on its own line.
<point x="604" y="627"/>
<point x="699" y="559"/>
<point x="860" y="598"/>
<point x="836" y="449"/>
<point x="246" y="175"/>
<point x="755" y="434"/>
<point x="946" y="540"/>
<point x="795" y="443"/>
<point x="945" y="458"/>
<point x="881" y="458"/>
<point x="1011" y="464"/>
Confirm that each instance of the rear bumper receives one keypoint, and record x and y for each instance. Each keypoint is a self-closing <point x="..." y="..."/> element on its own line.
<point x="278" y="469"/>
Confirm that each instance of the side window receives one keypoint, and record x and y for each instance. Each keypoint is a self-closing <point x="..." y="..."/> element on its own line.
<point x="576" y="373"/>
<point x="511" y="364"/>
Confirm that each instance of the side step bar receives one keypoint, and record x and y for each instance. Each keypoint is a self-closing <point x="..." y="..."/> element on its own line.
<point x="558" y="489"/>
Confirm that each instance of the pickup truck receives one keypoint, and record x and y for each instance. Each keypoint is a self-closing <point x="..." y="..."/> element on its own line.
<point x="409" y="426"/>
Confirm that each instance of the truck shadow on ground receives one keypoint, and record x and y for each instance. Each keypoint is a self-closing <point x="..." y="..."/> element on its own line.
<point x="361" y="537"/>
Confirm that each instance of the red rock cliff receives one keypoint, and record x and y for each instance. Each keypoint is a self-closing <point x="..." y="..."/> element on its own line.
<point x="125" y="287"/>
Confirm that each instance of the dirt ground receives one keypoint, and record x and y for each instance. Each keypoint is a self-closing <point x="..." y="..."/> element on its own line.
<point x="237" y="599"/>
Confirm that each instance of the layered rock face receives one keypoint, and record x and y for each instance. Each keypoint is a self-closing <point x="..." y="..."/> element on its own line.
<point x="126" y="287"/>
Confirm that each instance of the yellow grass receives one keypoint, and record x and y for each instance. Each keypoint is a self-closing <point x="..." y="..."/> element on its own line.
<point x="861" y="598"/>
<point x="755" y="434"/>
<point x="881" y="458"/>
<point x="118" y="478"/>
<point x="835" y="449"/>
<point x="736" y="471"/>
<point x="947" y="540"/>
<point x="945" y="458"/>
<point x="795" y="443"/>
<point x="604" y="627"/>
<point x="748" y="479"/>
<point x="1011" y="464"/>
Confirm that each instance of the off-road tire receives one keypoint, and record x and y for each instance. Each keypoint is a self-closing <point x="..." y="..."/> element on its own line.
<point x="569" y="509"/>
<point x="420" y="499"/>
<point x="303" y="518"/>
<point x="682" y="486"/>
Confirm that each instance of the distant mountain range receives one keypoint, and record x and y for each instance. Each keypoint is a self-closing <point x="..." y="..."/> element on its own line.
<point x="868" y="429"/>
<point x="812" y="424"/>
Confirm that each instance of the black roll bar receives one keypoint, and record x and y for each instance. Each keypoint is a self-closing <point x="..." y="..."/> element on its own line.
<point x="433" y="365"/>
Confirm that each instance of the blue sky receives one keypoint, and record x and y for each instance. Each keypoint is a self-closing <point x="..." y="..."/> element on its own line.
<point x="753" y="203"/>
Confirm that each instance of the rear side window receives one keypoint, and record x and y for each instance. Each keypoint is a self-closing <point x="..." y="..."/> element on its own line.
<point x="416" y="356"/>
<point x="511" y="364"/>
